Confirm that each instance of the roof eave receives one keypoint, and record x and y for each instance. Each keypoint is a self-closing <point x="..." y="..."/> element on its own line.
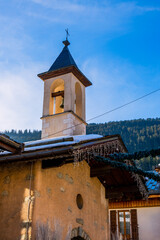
<point x="10" y="145"/>
<point x="55" y="150"/>
<point x="82" y="78"/>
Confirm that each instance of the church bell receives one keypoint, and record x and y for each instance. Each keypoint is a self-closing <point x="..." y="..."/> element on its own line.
<point x="62" y="103"/>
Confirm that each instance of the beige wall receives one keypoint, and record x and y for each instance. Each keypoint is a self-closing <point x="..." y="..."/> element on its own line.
<point x="63" y="124"/>
<point x="54" y="124"/>
<point x="149" y="223"/>
<point x="14" y="199"/>
<point x="53" y="201"/>
<point x="69" y="94"/>
<point x="56" y="190"/>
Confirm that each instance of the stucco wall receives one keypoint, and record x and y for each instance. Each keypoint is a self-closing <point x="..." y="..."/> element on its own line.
<point x="55" y="203"/>
<point x="14" y="197"/>
<point x="54" y="124"/>
<point x="149" y="223"/>
<point x="65" y="124"/>
<point x="69" y="93"/>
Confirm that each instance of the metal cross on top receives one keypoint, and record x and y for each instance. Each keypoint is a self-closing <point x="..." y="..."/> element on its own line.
<point x="67" y="33"/>
<point x="66" y="42"/>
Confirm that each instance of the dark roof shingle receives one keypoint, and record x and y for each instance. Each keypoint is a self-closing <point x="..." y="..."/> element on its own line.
<point x="64" y="59"/>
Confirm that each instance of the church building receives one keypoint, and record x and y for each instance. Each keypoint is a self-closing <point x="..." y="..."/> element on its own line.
<point x="53" y="188"/>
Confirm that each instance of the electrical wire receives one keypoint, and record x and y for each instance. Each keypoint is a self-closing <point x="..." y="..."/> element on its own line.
<point x="114" y="109"/>
<point x="107" y="112"/>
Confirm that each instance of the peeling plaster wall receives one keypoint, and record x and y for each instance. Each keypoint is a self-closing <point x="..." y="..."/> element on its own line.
<point x="14" y="199"/>
<point x="55" y="202"/>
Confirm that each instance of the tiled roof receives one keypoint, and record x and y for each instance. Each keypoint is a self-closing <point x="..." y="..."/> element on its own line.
<point x="64" y="59"/>
<point x="152" y="185"/>
<point x="64" y="64"/>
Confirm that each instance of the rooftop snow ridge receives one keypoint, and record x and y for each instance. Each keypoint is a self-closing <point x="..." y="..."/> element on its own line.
<point x="74" y="139"/>
<point x="58" y="141"/>
<point x="47" y="141"/>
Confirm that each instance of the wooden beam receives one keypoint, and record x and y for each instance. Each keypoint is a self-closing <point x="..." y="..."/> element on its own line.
<point x="57" y="94"/>
<point x="100" y="171"/>
<point x="38" y="154"/>
<point x="10" y="145"/>
<point x="6" y="147"/>
<point x="113" y="192"/>
<point x="154" y="196"/>
<point x="135" y="204"/>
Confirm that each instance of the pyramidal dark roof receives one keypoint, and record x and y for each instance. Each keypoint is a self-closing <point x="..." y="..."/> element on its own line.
<point x="64" y="59"/>
<point x="64" y="64"/>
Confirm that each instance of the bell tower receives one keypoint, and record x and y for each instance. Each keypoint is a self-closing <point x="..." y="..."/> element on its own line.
<point x="64" y="97"/>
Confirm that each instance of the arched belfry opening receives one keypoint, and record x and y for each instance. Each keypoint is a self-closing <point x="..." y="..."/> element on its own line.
<point x="64" y="97"/>
<point x="57" y="97"/>
<point x="78" y="100"/>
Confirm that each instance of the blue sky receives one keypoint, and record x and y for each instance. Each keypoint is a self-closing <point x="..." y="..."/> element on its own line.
<point x="116" y="44"/>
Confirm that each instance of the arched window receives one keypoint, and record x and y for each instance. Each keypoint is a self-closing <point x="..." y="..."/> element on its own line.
<point x="79" y="234"/>
<point x="57" y="97"/>
<point x="78" y="100"/>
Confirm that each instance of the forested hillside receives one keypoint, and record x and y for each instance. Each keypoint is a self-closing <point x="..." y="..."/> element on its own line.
<point x="23" y="136"/>
<point x="137" y="135"/>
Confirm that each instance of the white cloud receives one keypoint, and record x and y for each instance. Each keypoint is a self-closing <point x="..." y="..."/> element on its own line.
<point x="104" y="14"/>
<point x="21" y="91"/>
<point x="13" y="41"/>
<point x="20" y="99"/>
<point x="68" y="6"/>
<point x="114" y="83"/>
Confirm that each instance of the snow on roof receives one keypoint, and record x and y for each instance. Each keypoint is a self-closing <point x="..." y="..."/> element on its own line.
<point x="76" y="138"/>
<point x="5" y="152"/>
<point x="79" y="138"/>
<point x="48" y="146"/>
<point x="58" y="141"/>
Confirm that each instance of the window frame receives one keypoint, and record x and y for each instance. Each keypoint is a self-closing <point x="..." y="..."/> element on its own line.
<point x="125" y="235"/>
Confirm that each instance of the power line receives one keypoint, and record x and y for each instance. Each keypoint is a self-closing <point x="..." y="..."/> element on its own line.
<point x="107" y="112"/>
<point x="114" y="109"/>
